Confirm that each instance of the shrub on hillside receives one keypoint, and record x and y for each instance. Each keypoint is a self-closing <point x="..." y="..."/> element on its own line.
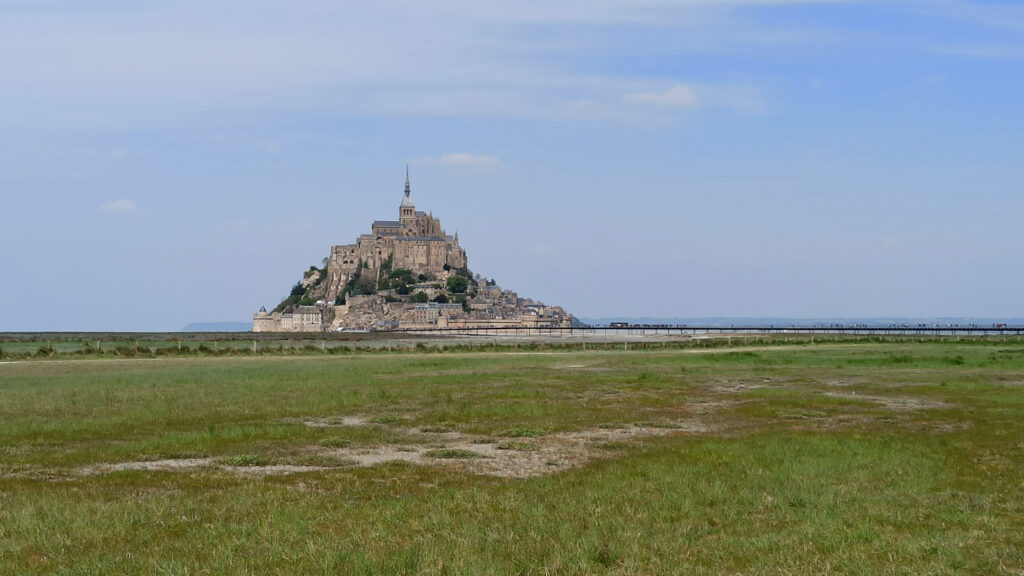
<point x="457" y="284"/>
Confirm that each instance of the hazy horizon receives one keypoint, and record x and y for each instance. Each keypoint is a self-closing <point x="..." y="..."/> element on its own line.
<point x="173" y="162"/>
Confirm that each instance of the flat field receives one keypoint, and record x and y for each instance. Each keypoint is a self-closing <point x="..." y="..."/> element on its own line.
<point x="847" y="458"/>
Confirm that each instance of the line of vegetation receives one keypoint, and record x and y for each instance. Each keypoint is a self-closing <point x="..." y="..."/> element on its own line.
<point x="329" y="344"/>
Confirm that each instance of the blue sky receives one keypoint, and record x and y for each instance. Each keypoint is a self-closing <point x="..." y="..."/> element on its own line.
<point x="169" y="162"/>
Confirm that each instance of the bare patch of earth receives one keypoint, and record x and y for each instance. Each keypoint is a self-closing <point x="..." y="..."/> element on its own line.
<point x="736" y="388"/>
<point x="900" y="403"/>
<point x="505" y="457"/>
<point x="513" y="458"/>
<point x="272" y="470"/>
<point x="192" y="463"/>
<point x="849" y="381"/>
<point x="172" y="464"/>
<point x="708" y="406"/>
<point x="336" y="421"/>
<point x="946" y="427"/>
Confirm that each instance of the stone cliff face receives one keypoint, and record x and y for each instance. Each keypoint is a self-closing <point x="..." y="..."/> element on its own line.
<point x="367" y="313"/>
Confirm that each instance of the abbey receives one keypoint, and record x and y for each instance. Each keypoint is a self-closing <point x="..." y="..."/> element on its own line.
<point x="406" y="274"/>
<point x="414" y="242"/>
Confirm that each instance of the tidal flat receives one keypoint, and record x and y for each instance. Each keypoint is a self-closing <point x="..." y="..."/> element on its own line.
<point x="842" y="457"/>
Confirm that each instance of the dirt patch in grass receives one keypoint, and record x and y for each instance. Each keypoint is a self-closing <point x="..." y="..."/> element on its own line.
<point x="336" y="421"/>
<point x="948" y="427"/>
<point x="450" y="453"/>
<point x="521" y="452"/>
<point x="272" y="470"/>
<point x="542" y="454"/>
<point x="704" y="406"/>
<point x="193" y="463"/>
<point x="899" y="403"/>
<point x="735" y="388"/>
<point x="171" y="464"/>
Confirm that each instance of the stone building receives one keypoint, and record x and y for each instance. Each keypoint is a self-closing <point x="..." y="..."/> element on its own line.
<point x="302" y="319"/>
<point x="416" y="241"/>
<point x="433" y="314"/>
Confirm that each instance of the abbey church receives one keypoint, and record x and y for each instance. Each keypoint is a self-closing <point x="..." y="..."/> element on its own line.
<point x="414" y="242"/>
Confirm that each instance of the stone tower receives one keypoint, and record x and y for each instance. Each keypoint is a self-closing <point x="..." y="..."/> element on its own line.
<point x="407" y="211"/>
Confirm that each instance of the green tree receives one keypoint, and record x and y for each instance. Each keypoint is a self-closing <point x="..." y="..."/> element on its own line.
<point x="457" y="284"/>
<point x="419" y="297"/>
<point x="403" y="276"/>
<point x="365" y="286"/>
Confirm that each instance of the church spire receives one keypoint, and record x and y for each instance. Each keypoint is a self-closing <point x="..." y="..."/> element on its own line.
<point x="408" y="210"/>
<point x="407" y="190"/>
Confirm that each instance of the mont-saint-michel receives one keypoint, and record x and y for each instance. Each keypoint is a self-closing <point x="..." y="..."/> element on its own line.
<point x="406" y="274"/>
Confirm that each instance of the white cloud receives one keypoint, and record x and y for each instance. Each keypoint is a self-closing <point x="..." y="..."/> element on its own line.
<point x="147" y="67"/>
<point x="679" y="96"/>
<point x="120" y="206"/>
<point x="467" y="159"/>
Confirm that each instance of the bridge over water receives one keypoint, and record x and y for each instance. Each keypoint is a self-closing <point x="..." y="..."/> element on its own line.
<point x="647" y="329"/>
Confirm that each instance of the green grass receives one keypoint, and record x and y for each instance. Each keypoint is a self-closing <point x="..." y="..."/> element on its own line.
<point x="845" y="458"/>
<point x="244" y="460"/>
<point x="521" y="432"/>
<point x="385" y="419"/>
<point x="518" y="446"/>
<point x="451" y="453"/>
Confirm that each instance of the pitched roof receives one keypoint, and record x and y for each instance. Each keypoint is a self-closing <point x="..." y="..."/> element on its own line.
<point x="419" y="239"/>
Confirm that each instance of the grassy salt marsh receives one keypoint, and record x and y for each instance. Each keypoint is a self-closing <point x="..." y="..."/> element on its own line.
<point x="845" y="458"/>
